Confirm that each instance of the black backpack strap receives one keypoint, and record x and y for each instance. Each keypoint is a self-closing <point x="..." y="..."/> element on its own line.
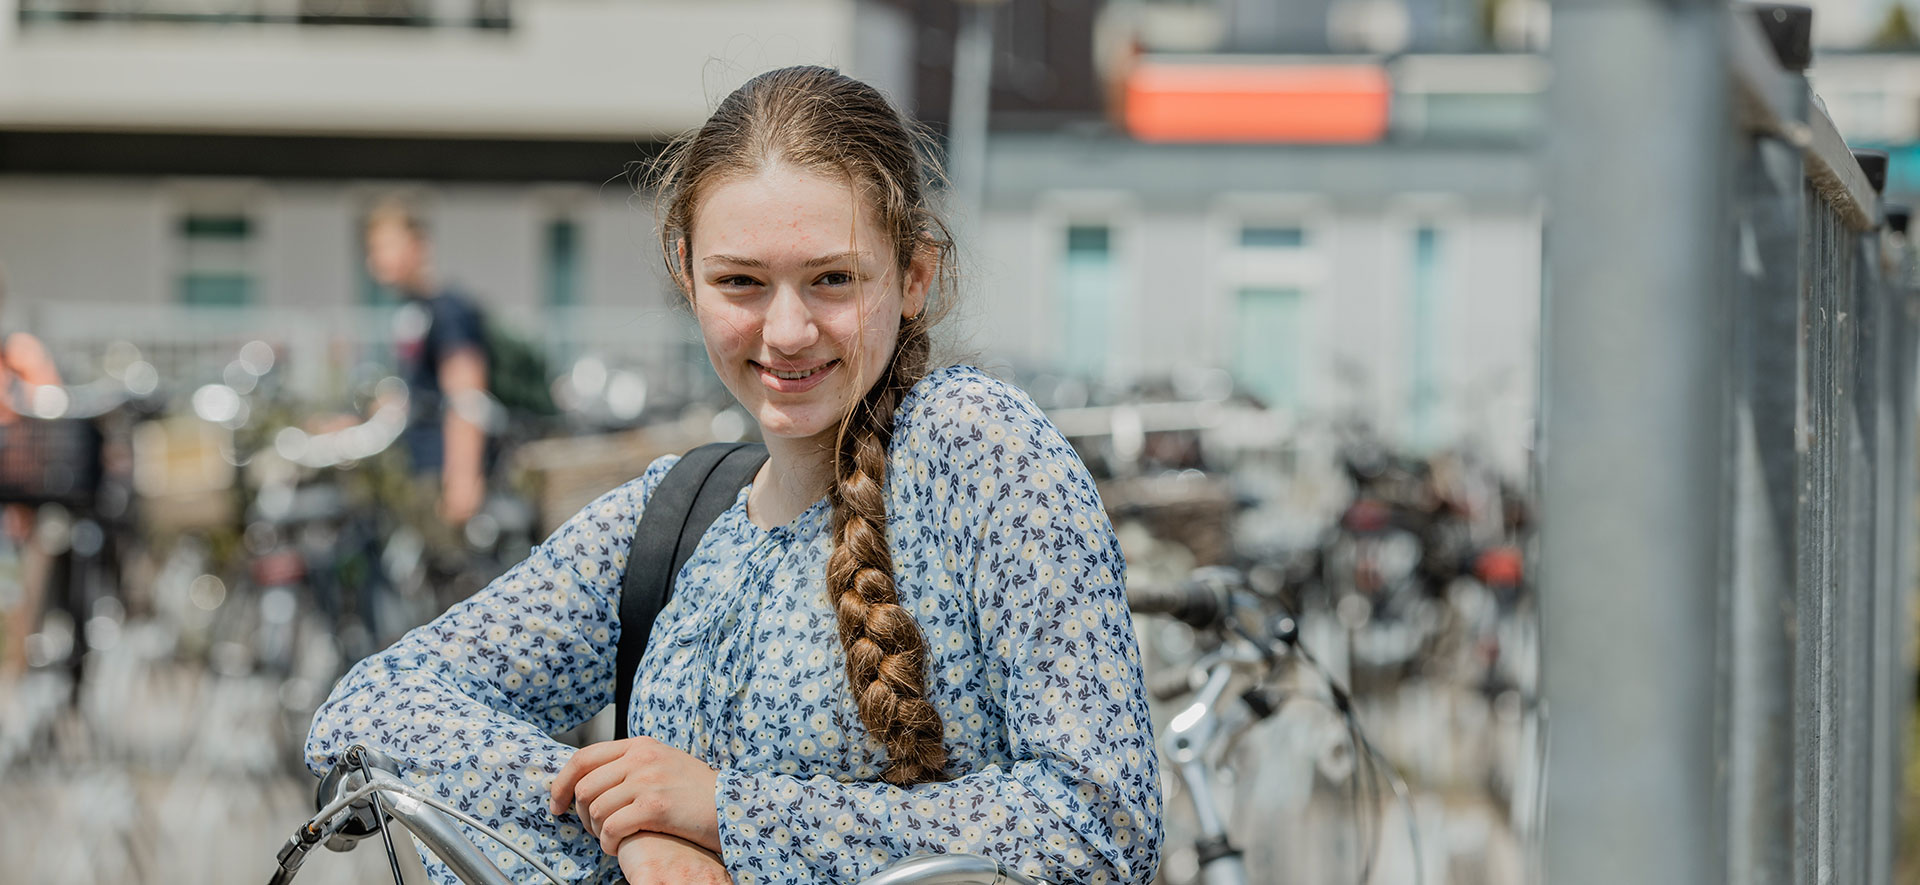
<point x="700" y="487"/>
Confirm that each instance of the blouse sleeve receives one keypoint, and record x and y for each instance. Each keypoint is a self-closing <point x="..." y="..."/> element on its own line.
<point x="1080" y="800"/>
<point x="465" y="703"/>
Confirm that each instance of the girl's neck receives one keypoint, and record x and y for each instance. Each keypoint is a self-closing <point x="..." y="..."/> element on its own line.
<point x="798" y="472"/>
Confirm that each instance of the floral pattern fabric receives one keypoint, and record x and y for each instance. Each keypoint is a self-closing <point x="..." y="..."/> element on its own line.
<point x="1002" y="553"/>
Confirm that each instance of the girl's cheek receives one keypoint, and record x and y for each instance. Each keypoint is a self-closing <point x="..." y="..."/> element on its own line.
<point x="727" y="329"/>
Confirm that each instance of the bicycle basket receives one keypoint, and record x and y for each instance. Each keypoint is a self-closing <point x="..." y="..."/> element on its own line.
<point x="49" y="461"/>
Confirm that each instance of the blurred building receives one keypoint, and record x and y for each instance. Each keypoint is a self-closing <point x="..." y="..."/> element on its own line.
<point x="1341" y="209"/>
<point x="1874" y="99"/>
<point x="1861" y="24"/>
<point x="1338" y="206"/>
<point x="183" y="172"/>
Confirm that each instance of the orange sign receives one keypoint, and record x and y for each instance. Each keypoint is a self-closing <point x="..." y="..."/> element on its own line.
<point x="1332" y="104"/>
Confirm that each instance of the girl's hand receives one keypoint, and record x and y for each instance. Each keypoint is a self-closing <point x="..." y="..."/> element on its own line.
<point x="656" y="859"/>
<point x="639" y="785"/>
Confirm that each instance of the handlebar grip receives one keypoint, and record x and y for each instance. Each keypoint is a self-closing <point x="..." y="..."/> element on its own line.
<point x="1169" y="685"/>
<point x="1194" y="604"/>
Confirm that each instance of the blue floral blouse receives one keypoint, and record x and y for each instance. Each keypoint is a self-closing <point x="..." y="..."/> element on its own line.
<point x="1002" y="553"/>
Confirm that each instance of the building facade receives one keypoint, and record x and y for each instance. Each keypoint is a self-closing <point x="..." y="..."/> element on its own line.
<point x="1392" y="276"/>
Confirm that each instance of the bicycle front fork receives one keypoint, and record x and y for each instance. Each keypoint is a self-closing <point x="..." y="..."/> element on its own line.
<point x="1191" y="736"/>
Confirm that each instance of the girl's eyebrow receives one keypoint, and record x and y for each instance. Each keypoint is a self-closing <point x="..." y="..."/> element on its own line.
<point x="836" y="258"/>
<point x="852" y="257"/>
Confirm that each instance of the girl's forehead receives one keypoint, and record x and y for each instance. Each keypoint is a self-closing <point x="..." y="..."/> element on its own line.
<point x="781" y="208"/>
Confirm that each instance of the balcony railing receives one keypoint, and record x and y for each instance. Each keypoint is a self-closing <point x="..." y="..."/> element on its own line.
<point x="486" y="15"/>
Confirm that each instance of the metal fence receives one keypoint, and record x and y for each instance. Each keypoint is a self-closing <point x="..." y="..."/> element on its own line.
<point x="1727" y="470"/>
<point x="325" y="353"/>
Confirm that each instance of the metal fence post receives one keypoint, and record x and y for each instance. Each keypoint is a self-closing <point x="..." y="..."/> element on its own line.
<point x="1728" y="512"/>
<point x="1633" y="390"/>
<point x="1756" y="730"/>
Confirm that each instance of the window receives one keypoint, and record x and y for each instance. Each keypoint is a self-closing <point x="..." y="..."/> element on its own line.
<point x="1086" y="296"/>
<point x="1269" y="333"/>
<point x="563" y="263"/>
<point x="216" y="260"/>
<point x="1272" y="271"/>
<point x="1266" y="237"/>
<point x="1424" y="313"/>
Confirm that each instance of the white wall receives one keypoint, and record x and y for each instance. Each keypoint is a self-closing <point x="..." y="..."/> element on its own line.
<point x="1175" y="306"/>
<point x="94" y="241"/>
<point x="622" y="252"/>
<point x="1872" y="98"/>
<point x="567" y="68"/>
<point x="1847" y="24"/>
<point x="305" y="231"/>
<point x="90" y="260"/>
<point x="489" y="241"/>
<point x="112" y="241"/>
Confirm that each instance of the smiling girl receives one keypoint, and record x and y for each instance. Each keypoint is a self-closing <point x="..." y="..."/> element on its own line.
<point x="899" y="640"/>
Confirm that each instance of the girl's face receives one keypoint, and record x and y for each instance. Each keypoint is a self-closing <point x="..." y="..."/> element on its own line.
<point x="799" y="297"/>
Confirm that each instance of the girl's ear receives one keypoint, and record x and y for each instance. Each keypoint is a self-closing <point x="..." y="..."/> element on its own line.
<point x="683" y="268"/>
<point x="920" y="273"/>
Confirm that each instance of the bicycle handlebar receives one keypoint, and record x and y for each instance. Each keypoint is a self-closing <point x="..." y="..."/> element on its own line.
<point x="1200" y="602"/>
<point x="947" y="869"/>
<point x="363" y="774"/>
<point x="361" y="777"/>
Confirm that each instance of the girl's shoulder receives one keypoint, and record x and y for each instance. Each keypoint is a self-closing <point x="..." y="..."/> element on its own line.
<point x="965" y="399"/>
<point x="965" y="414"/>
<point x="618" y="509"/>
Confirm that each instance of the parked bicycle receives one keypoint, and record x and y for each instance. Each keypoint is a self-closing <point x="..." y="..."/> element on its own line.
<point x="67" y="455"/>
<point x="1248" y="671"/>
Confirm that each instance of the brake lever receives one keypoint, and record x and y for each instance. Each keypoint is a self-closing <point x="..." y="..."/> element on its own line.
<point x="360" y="819"/>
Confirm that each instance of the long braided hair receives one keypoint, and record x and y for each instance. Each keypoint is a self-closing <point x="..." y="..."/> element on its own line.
<point x="818" y="119"/>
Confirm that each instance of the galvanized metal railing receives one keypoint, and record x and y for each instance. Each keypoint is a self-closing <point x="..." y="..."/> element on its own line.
<point x="1727" y="468"/>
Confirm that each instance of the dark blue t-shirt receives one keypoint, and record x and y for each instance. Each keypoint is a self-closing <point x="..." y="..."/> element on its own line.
<point x="425" y="332"/>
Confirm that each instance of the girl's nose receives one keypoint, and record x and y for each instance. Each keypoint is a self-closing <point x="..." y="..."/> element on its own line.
<point x="789" y="326"/>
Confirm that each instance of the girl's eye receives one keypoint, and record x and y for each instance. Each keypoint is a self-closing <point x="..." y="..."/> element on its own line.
<point x="735" y="281"/>
<point x="835" y="278"/>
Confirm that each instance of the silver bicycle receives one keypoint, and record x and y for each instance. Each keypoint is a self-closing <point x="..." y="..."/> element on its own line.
<point x="363" y="796"/>
<point x="1233" y="687"/>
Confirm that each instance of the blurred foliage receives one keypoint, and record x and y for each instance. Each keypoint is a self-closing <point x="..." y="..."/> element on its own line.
<point x="517" y="373"/>
<point x="1896" y="32"/>
<point x="1906" y="861"/>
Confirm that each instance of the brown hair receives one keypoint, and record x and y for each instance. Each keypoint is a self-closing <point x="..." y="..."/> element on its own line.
<point x="820" y="120"/>
<point x="398" y="210"/>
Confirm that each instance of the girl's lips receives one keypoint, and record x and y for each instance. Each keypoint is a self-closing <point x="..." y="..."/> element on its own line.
<point x="795" y="385"/>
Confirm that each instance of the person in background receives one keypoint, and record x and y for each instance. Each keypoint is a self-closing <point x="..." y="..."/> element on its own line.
<point x="441" y="351"/>
<point x="24" y="363"/>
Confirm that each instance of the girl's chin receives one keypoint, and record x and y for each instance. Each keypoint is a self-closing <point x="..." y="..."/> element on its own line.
<point x="782" y="423"/>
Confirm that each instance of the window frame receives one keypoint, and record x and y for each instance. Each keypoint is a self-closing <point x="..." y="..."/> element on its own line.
<point x="1234" y="267"/>
<point x="1056" y="213"/>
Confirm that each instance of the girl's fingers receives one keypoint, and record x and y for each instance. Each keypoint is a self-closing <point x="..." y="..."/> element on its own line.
<point x="591" y="785"/>
<point x="584" y="760"/>
<point x="586" y="822"/>
<point x="611" y="803"/>
<point x="617" y="827"/>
